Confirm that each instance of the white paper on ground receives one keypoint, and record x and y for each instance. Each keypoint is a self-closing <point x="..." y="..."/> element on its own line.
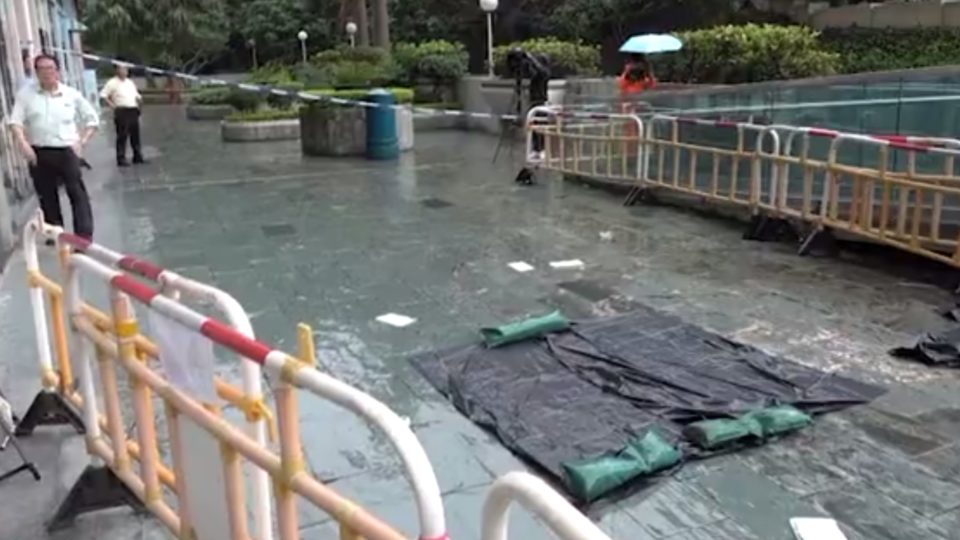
<point x="186" y="356"/>
<point x="816" y="529"/>
<point x="394" y="319"/>
<point x="561" y="265"/>
<point x="520" y="266"/>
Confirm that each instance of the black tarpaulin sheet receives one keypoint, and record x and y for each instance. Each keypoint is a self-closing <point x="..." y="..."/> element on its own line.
<point x="941" y="349"/>
<point x="603" y="383"/>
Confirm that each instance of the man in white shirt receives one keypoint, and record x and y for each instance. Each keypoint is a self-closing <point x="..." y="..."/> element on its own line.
<point x="51" y="123"/>
<point x="122" y="96"/>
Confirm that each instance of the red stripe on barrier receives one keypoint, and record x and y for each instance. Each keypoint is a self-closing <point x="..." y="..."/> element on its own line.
<point x="909" y="146"/>
<point x="444" y="536"/>
<point x="235" y="341"/>
<point x="78" y="242"/>
<point x="686" y="120"/>
<point x="819" y="132"/>
<point x="140" y="267"/>
<point x="134" y="288"/>
<point x="726" y="123"/>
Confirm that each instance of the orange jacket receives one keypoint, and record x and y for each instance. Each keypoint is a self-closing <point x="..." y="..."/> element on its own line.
<point x="632" y="87"/>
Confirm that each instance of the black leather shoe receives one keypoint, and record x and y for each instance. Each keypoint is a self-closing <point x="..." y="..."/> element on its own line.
<point x="139" y="161"/>
<point x="123" y="163"/>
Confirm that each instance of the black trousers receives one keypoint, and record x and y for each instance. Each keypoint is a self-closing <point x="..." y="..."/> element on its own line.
<point x="126" y="120"/>
<point x="56" y="166"/>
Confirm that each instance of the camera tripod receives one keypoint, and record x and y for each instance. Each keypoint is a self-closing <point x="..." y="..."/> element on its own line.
<point x="509" y="129"/>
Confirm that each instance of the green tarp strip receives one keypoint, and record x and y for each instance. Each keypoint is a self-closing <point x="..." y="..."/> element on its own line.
<point x="522" y="330"/>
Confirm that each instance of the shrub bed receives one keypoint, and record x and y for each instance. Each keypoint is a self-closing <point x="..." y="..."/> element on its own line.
<point x="879" y="49"/>
<point x="567" y="58"/>
<point x="734" y="54"/>
<point x="402" y="95"/>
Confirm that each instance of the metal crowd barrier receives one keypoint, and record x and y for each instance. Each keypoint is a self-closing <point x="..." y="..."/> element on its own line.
<point x="900" y="191"/>
<point x="191" y="457"/>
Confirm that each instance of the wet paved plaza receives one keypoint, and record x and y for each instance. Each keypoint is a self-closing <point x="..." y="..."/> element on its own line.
<point x="335" y="243"/>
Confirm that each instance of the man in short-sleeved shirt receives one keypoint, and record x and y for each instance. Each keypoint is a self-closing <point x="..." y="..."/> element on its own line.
<point x="52" y="122"/>
<point x="122" y="96"/>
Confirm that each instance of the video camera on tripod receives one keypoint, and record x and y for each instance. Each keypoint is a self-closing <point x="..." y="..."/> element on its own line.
<point x="523" y="65"/>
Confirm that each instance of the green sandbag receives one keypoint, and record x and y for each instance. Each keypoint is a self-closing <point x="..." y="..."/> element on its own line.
<point x="710" y="434"/>
<point x="591" y="479"/>
<point x="519" y="331"/>
<point x="782" y="419"/>
<point x="655" y="451"/>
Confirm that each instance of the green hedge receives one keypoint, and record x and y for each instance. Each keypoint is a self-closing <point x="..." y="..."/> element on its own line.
<point x="354" y="67"/>
<point x="438" y="61"/>
<point x="567" y="58"/>
<point x="402" y="95"/>
<point x="747" y="53"/>
<point x="879" y="49"/>
<point x="264" y="115"/>
<point x="212" y="96"/>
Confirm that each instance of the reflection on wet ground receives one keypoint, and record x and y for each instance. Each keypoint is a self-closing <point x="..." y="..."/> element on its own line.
<point x="335" y="243"/>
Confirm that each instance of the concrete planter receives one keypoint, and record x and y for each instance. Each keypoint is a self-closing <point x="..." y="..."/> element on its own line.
<point x="332" y="131"/>
<point x="208" y="112"/>
<point x="271" y="130"/>
<point x="342" y="131"/>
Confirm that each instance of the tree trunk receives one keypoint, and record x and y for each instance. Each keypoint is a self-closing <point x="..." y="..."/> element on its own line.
<point x="363" y="23"/>
<point x="381" y="23"/>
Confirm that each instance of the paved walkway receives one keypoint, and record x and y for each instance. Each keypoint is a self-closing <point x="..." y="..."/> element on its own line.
<point x="335" y="243"/>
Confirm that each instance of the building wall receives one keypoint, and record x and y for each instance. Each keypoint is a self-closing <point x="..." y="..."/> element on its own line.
<point x="26" y="28"/>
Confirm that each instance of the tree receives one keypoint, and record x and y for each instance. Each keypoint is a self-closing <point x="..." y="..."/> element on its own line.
<point x="181" y="34"/>
<point x="356" y="11"/>
<point x="381" y="23"/>
<point x="274" y="25"/>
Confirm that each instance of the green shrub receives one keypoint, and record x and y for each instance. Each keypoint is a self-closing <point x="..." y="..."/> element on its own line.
<point x="212" y="96"/>
<point x="437" y="61"/>
<point x="348" y="67"/>
<point x="402" y="95"/>
<point x="567" y="58"/>
<point x="244" y="100"/>
<point x="312" y="75"/>
<point x="369" y="55"/>
<point x="272" y="74"/>
<point x="879" y="49"/>
<point x="747" y="53"/>
<point x="284" y="102"/>
<point x="264" y="115"/>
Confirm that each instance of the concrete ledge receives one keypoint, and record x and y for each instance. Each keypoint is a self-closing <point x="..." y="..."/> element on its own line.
<point x="272" y="130"/>
<point x="208" y="112"/>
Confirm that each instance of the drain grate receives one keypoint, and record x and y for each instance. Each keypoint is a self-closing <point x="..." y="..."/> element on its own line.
<point x="436" y="203"/>
<point x="280" y="229"/>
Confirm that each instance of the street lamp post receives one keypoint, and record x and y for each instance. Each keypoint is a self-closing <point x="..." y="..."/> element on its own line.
<point x="489" y="6"/>
<point x="302" y="36"/>
<point x="352" y="33"/>
<point x="252" y="43"/>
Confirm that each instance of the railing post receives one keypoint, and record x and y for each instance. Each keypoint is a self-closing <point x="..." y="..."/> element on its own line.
<point x="127" y="331"/>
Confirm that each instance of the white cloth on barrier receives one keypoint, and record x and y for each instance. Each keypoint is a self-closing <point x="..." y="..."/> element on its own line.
<point x="186" y="356"/>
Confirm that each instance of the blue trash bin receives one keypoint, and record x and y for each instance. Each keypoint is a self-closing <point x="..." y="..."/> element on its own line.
<point x="382" y="126"/>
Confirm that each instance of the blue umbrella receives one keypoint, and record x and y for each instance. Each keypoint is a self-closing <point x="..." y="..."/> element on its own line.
<point x="651" y="44"/>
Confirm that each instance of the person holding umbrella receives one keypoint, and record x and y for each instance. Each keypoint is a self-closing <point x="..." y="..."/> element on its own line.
<point x="637" y="76"/>
<point x="637" y="73"/>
